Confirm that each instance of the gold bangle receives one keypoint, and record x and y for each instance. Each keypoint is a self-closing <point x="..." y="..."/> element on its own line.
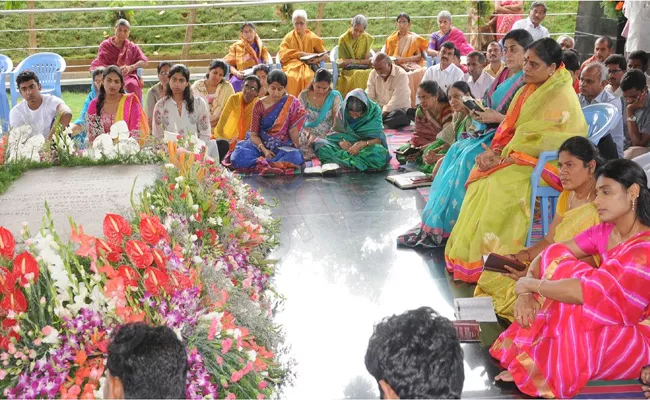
<point x="540" y="286"/>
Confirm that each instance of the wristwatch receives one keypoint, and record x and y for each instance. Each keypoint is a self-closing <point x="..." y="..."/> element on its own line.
<point x="632" y="118"/>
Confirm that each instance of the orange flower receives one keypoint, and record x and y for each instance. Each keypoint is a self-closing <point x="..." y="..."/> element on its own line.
<point x="619" y="5"/>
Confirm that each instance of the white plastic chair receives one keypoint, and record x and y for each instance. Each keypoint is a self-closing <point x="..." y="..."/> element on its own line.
<point x="47" y="66"/>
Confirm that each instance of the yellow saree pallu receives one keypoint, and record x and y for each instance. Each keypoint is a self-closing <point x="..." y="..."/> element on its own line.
<point x="242" y="56"/>
<point x="502" y="289"/>
<point x="409" y="46"/>
<point x="353" y="49"/>
<point x="298" y="73"/>
<point x="496" y="213"/>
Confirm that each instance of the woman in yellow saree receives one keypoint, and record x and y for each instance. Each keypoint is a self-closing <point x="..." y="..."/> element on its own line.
<point x="408" y="50"/>
<point x="245" y="54"/>
<point x="575" y="213"/>
<point x="354" y="54"/>
<point x="298" y="43"/>
<point x="496" y="214"/>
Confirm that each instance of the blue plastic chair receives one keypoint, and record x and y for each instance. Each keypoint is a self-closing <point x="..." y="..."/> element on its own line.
<point x="47" y="66"/>
<point x="6" y="65"/>
<point x="601" y="118"/>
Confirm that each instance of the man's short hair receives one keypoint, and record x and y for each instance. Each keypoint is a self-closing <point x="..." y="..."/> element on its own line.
<point x="639" y="55"/>
<point x="381" y="56"/>
<point x="449" y="45"/>
<point x="603" y="72"/>
<point x="27" y="76"/>
<point x="418" y="355"/>
<point x="538" y="4"/>
<point x="617" y="59"/>
<point x="480" y="55"/>
<point x="571" y="60"/>
<point x="606" y="39"/>
<point x="633" y="79"/>
<point x="149" y="360"/>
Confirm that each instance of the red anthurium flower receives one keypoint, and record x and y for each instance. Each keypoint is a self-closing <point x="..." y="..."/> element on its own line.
<point x="26" y="266"/>
<point x="112" y="251"/>
<point x="115" y="227"/>
<point x="179" y="280"/>
<point x="152" y="230"/>
<point x="7" y="324"/>
<point x="7" y="281"/>
<point x="14" y="301"/>
<point x="129" y="276"/>
<point x="7" y="243"/>
<point x="139" y="253"/>
<point x="154" y="280"/>
<point x="159" y="258"/>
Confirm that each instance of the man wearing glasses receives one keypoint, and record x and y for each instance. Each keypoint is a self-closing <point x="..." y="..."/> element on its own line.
<point x="635" y="92"/>
<point x="237" y="114"/>
<point x="616" y="67"/>
<point x="158" y="90"/>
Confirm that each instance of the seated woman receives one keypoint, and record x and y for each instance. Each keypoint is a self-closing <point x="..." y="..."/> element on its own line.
<point x="448" y="188"/>
<point x="78" y="128"/>
<point x="408" y="50"/>
<point x="576" y="212"/>
<point x="432" y="116"/>
<point x="112" y="105"/>
<point x="358" y="139"/>
<point x="275" y="129"/>
<point x="574" y="322"/>
<point x="321" y="103"/>
<point x="248" y="52"/>
<point x="238" y="113"/>
<point x="448" y="33"/>
<point x="215" y="89"/>
<point x="300" y="42"/>
<point x="354" y="56"/>
<point x="126" y="55"/>
<point x="262" y="71"/>
<point x="543" y="114"/>
<point x="508" y="12"/>
<point x="180" y="111"/>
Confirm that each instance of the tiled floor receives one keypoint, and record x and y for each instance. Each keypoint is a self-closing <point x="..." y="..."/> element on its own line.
<point x="341" y="272"/>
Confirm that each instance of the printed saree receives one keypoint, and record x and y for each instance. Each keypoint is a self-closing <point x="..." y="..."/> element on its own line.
<point x="299" y="74"/>
<point x="496" y="211"/>
<point x="353" y="49"/>
<point x="319" y="120"/>
<point x="129" y="110"/>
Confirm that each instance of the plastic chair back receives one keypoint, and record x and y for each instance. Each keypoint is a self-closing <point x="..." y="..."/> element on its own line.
<point x="334" y="55"/>
<point x="6" y="65"/>
<point x="601" y="118"/>
<point x="47" y="66"/>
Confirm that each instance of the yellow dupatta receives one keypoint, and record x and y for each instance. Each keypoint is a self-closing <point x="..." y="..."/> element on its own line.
<point x="417" y="44"/>
<point x="355" y="49"/>
<point x="133" y="109"/>
<point x="241" y="55"/>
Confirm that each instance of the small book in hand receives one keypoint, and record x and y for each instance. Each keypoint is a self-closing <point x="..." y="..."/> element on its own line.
<point x="473" y="104"/>
<point x="357" y="66"/>
<point x="468" y="331"/>
<point x="312" y="56"/>
<point x="330" y="169"/>
<point x="496" y="263"/>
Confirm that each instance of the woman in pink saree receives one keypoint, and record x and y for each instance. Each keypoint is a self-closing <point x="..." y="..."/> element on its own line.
<point x="574" y="322"/>
<point x="507" y="14"/>
<point x="448" y="33"/>
<point x="118" y="50"/>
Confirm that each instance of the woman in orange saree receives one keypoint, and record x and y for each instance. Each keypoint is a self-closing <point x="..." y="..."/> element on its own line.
<point x="245" y="54"/>
<point x="407" y="50"/>
<point x="576" y="323"/>
<point x="496" y="211"/>
<point x="300" y="42"/>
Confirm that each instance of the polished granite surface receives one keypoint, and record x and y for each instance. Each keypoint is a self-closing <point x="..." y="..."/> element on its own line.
<point x="341" y="272"/>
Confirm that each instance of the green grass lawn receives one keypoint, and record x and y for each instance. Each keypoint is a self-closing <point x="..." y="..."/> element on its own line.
<point x="275" y="30"/>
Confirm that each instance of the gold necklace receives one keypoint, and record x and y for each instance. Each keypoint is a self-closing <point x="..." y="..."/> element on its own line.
<point x="586" y="201"/>
<point x="629" y="233"/>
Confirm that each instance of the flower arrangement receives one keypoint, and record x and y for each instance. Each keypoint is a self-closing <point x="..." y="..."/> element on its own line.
<point x="612" y="8"/>
<point x="192" y="256"/>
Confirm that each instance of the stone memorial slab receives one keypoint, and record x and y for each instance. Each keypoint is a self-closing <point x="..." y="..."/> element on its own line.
<point x="84" y="193"/>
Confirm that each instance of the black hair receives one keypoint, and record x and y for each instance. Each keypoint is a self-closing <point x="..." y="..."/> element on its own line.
<point x="355" y="104"/>
<point x="149" y="360"/>
<point x="641" y="56"/>
<point x="449" y="45"/>
<point x="188" y="97"/>
<point x="277" y="75"/>
<point x="218" y="63"/>
<point x="548" y="50"/>
<point x="27" y="76"/>
<point x="418" y="355"/>
<point x="405" y="15"/>
<point x="571" y="60"/>
<point x="633" y="79"/>
<point x="245" y="24"/>
<point x="479" y="55"/>
<point x="627" y="173"/>
<point x="606" y="39"/>
<point x="261" y="67"/>
<point x="462" y="86"/>
<point x="323" y="75"/>
<point x="255" y="79"/>
<point x="101" y="96"/>
<point x="95" y="72"/>
<point x="618" y="60"/>
<point x="582" y="149"/>
<point x="163" y="64"/>
<point x="521" y="36"/>
<point x="435" y="90"/>
<point x="457" y="53"/>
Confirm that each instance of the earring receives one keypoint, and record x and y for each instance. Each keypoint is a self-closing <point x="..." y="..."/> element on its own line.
<point x="633" y="201"/>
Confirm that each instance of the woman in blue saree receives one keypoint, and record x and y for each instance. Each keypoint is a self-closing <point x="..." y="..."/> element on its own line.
<point x="448" y="188"/>
<point x="358" y="139"/>
<point x="275" y="129"/>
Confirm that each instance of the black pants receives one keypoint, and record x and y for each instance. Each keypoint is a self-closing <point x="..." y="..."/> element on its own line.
<point x="396" y="119"/>
<point x="607" y="148"/>
<point x="223" y="146"/>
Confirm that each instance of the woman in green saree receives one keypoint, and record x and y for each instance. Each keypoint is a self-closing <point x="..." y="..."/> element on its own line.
<point x="354" y="56"/>
<point x="357" y="140"/>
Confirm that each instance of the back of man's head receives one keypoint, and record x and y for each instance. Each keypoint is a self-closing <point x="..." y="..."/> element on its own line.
<point x="633" y="79"/>
<point x="146" y="362"/>
<point x="416" y="355"/>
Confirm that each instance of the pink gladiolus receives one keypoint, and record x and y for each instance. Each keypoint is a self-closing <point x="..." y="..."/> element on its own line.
<point x="237" y="375"/>
<point x="260" y="396"/>
<point x="226" y="344"/>
<point x="262" y="385"/>
<point x="213" y="329"/>
<point x="231" y="396"/>
<point x="219" y="360"/>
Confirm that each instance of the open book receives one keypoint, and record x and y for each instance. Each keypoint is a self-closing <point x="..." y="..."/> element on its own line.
<point x="324" y="170"/>
<point x="248" y="71"/>
<point x="410" y="180"/>
<point x="312" y="56"/>
<point x="478" y="309"/>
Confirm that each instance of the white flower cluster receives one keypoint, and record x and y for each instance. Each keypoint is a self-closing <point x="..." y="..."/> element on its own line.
<point x="22" y="144"/>
<point x="117" y="143"/>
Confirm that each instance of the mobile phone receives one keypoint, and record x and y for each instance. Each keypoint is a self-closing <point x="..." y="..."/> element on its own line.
<point x="471" y="103"/>
<point x="496" y="263"/>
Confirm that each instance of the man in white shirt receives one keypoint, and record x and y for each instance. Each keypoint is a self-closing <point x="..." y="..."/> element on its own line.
<point x="637" y="13"/>
<point x="38" y="110"/>
<point x="592" y="91"/>
<point x="616" y="66"/>
<point x="478" y="80"/>
<point x="388" y="85"/>
<point x="494" y="56"/>
<point x="445" y="73"/>
<point x="533" y="23"/>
